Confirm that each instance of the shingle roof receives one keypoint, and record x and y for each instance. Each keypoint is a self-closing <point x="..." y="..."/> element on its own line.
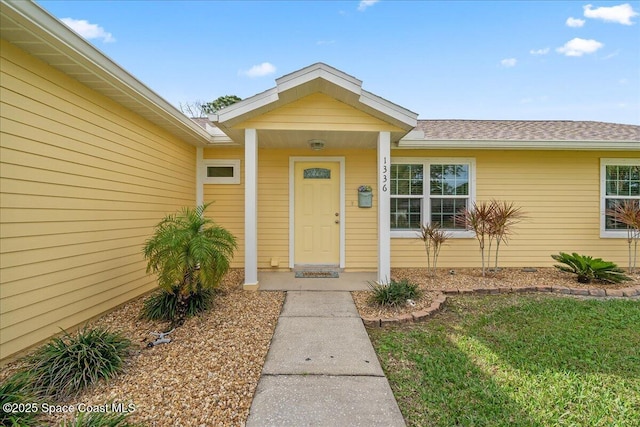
<point x="524" y="130"/>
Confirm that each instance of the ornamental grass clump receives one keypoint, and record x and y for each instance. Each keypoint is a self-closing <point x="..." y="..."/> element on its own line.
<point x="19" y="400"/>
<point x="190" y="254"/>
<point x="588" y="268"/>
<point x="68" y="364"/>
<point x="98" y="419"/>
<point x="394" y="293"/>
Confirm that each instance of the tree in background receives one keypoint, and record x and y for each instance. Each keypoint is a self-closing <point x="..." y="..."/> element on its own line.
<point x="201" y="108"/>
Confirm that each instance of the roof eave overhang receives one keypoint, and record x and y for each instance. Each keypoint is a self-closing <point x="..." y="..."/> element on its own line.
<point x="46" y="38"/>
<point x="519" y="145"/>
<point x="315" y="78"/>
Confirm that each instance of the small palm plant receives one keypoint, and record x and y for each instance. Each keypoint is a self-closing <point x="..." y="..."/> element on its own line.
<point x="191" y="254"/>
<point x="433" y="237"/>
<point x="588" y="268"/>
<point x="628" y="213"/>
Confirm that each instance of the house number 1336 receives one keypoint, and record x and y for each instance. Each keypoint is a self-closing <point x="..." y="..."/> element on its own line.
<point x="385" y="175"/>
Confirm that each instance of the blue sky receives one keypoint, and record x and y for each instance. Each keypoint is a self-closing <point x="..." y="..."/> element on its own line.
<point x="506" y="60"/>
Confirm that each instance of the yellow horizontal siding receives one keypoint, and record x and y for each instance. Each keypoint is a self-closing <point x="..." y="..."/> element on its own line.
<point x="559" y="191"/>
<point x="362" y="223"/>
<point x="227" y="208"/>
<point x="273" y="208"/>
<point x="83" y="181"/>
<point x="318" y="112"/>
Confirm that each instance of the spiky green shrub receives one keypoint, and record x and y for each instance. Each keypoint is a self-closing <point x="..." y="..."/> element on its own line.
<point x="98" y="419"/>
<point x="18" y="391"/>
<point x="189" y="253"/>
<point x="588" y="268"/>
<point x="70" y="363"/>
<point x="164" y="305"/>
<point x="393" y="293"/>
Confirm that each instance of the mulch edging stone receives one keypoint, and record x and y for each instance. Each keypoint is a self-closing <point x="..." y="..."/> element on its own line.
<point x="441" y="298"/>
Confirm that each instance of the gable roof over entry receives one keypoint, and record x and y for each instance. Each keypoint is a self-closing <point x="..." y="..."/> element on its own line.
<point x="327" y="84"/>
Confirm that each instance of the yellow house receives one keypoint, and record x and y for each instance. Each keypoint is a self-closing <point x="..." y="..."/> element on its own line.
<point x="91" y="159"/>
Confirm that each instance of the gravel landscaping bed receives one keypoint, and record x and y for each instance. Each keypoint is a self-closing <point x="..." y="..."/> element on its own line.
<point x="206" y="376"/>
<point x="469" y="278"/>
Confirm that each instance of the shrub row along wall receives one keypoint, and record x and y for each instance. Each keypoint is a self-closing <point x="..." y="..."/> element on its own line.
<point x="83" y="182"/>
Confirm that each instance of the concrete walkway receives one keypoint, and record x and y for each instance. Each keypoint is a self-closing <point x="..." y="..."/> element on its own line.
<point x="321" y="369"/>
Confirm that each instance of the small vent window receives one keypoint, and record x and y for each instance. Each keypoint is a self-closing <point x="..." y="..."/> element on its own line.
<point x="221" y="171"/>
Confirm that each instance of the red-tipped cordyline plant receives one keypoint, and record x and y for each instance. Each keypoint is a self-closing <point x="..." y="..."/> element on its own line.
<point x="433" y="237"/>
<point x="628" y="213"/>
<point x="490" y="221"/>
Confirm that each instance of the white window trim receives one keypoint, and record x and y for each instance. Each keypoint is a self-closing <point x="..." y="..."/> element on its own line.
<point x="234" y="163"/>
<point x="426" y="161"/>
<point x="604" y="162"/>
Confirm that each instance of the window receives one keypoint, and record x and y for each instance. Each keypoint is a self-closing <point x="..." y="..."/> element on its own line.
<point x="619" y="181"/>
<point x="221" y="171"/>
<point x="429" y="191"/>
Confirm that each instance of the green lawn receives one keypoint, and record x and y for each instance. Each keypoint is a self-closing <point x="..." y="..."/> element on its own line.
<point x="517" y="360"/>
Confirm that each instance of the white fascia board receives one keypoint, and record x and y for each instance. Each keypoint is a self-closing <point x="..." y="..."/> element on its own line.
<point x="65" y="41"/>
<point x="319" y="70"/>
<point x="521" y="145"/>
<point x="245" y="106"/>
<point x="409" y="118"/>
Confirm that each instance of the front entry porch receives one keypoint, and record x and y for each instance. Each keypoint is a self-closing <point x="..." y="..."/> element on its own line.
<point x="317" y="109"/>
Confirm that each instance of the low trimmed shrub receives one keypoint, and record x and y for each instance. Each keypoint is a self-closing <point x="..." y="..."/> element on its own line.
<point x="588" y="268"/>
<point x="393" y="293"/>
<point x="164" y="306"/>
<point x="70" y="363"/>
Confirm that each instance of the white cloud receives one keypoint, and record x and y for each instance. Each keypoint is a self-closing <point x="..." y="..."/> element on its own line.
<point x="366" y="3"/>
<point x="578" y="47"/>
<point x="325" y="42"/>
<point x="260" y="70"/>
<point x="620" y="14"/>
<point x="509" y="62"/>
<point x="539" y="51"/>
<point x="87" y="30"/>
<point x="575" y="22"/>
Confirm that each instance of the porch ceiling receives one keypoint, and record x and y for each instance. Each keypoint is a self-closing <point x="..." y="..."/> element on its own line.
<point x="292" y="139"/>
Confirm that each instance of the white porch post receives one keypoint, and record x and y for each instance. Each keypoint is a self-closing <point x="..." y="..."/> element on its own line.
<point x="384" y="205"/>
<point x="250" y="209"/>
